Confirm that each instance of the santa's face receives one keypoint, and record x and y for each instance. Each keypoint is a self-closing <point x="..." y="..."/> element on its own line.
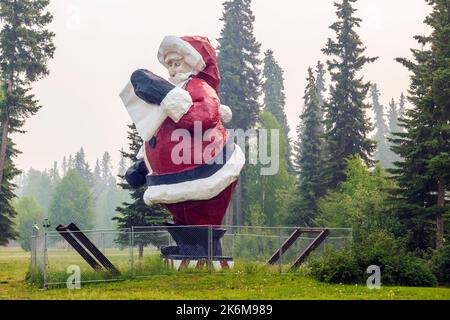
<point x="179" y="70"/>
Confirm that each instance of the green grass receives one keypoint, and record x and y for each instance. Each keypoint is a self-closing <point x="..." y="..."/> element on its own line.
<point x="248" y="281"/>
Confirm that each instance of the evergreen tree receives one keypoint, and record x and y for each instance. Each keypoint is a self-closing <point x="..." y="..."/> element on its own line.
<point x="239" y="65"/>
<point x="382" y="151"/>
<point x="81" y="167"/>
<point x="7" y="187"/>
<point x="72" y="202"/>
<point x="136" y="212"/>
<point x="423" y="173"/>
<point x="402" y="107"/>
<point x="64" y="166"/>
<point x="438" y="104"/>
<point x="55" y="178"/>
<point x="393" y="117"/>
<point x="70" y="163"/>
<point x="274" y="97"/>
<point x="122" y="164"/>
<point x="97" y="172"/>
<point x="321" y="89"/>
<point x="394" y="127"/>
<point x="347" y="126"/>
<point x="106" y="168"/>
<point x="309" y="160"/>
<point x="25" y="48"/>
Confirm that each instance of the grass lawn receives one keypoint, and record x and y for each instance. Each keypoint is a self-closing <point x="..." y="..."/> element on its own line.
<point x="257" y="285"/>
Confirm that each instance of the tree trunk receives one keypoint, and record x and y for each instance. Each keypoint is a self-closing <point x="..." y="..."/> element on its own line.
<point x="439" y="218"/>
<point x="5" y="132"/>
<point x="141" y="256"/>
<point x="3" y="147"/>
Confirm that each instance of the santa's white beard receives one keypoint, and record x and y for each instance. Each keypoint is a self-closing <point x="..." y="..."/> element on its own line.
<point x="180" y="78"/>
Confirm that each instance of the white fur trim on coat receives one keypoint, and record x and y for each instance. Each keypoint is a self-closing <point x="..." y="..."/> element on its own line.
<point x="226" y="115"/>
<point x="175" y="44"/>
<point x="177" y="103"/>
<point x="201" y="189"/>
<point x="141" y="153"/>
<point x="147" y="118"/>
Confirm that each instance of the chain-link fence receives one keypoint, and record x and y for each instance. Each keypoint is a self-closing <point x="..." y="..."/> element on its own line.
<point x="112" y="255"/>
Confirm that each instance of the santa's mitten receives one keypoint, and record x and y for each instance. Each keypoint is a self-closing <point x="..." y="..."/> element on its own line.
<point x="136" y="176"/>
<point x="156" y="90"/>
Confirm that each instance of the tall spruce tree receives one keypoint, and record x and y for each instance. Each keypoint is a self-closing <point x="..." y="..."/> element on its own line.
<point x="321" y="88"/>
<point x="239" y="64"/>
<point x="240" y="87"/>
<point x="393" y="117"/>
<point x="309" y="159"/>
<point x="106" y="169"/>
<point x="320" y="82"/>
<point x="25" y="47"/>
<point x="382" y="152"/>
<point x="82" y="168"/>
<point x="347" y="125"/>
<point x="122" y="164"/>
<point x="64" y="167"/>
<point x="97" y="171"/>
<point x="394" y="127"/>
<point x="54" y="174"/>
<point x="423" y="174"/>
<point x="439" y="104"/>
<point x="275" y="99"/>
<point x="136" y="212"/>
<point x="7" y="187"/>
<point x="402" y="107"/>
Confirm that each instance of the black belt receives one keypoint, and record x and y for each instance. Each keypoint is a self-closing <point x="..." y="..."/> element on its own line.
<point x="201" y="172"/>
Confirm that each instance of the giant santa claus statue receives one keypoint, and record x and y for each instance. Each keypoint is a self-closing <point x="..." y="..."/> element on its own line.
<point x="188" y="161"/>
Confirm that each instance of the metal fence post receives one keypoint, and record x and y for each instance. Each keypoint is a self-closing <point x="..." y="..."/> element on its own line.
<point x="232" y="241"/>
<point x="210" y="248"/>
<point x="45" y="261"/>
<point x="131" y="252"/>
<point x="33" y="253"/>
<point x="280" y="240"/>
<point x="102" y="241"/>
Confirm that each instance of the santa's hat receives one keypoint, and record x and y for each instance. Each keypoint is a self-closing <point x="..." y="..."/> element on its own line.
<point x="198" y="52"/>
<point x="183" y="48"/>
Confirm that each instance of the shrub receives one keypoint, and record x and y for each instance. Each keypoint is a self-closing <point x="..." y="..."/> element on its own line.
<point x="336" y="267"/>
<point x="440" y="264"/>
<point x="397" y="266"/>
<point x="413" y="271"/>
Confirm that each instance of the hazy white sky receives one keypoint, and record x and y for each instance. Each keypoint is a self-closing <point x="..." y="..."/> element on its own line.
<point x="101" y="42"/>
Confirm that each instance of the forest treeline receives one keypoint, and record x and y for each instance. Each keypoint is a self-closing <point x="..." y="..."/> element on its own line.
<point x="389" y="174"/>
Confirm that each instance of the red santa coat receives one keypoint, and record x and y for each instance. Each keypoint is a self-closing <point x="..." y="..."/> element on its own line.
<point x="197" y="193"/>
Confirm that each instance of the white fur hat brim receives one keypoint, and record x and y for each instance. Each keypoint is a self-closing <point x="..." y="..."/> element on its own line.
<point x="175" y="44"/>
